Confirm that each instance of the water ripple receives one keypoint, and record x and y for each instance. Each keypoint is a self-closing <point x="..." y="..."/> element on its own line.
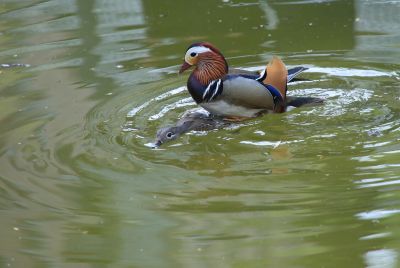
<point x="76" y="167"/>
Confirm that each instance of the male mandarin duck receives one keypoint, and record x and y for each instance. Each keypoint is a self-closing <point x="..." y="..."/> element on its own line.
<point x="232" y="94"/>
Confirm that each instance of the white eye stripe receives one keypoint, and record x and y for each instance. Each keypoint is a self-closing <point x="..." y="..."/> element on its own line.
<point x="197" y="50"/>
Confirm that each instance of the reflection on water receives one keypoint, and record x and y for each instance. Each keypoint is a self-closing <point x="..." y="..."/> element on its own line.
<point x="85" y="85"/>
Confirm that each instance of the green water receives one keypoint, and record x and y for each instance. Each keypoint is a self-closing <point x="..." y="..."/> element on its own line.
<point x="80" y="185"/>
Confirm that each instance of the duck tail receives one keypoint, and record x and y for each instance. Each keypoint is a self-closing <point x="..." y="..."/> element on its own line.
<point x="275" y="74"/>
<point x="294" y="72"/>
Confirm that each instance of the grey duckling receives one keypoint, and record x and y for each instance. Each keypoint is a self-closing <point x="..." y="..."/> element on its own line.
<point x="197" y="121"/>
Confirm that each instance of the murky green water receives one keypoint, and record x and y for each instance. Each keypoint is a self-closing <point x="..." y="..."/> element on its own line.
<point x="80" y="187"/>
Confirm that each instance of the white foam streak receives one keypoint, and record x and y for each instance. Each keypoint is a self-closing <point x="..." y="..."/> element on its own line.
<point x="262" y="143"/>
<point x="165" y="95"/>
<point x="348" y="72"/>
<point x="169" y="107"/>
<point x="342" y="72"/>
<point x="377" y="214"/>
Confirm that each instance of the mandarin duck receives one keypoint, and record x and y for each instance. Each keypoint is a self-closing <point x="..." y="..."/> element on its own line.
<point x="231" y="93"/>
<point x="197" y="121"/>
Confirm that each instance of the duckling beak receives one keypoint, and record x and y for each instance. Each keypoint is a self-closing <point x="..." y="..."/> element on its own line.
<point x="157" y="144"/>
<point x="184" y="67"/>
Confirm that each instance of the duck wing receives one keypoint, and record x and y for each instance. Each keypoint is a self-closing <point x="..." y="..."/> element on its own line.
<point x="292" y="72"/>
<point x="248" y="92"/>
<point x="240" y="95"/>
<point x="275" y="74"/>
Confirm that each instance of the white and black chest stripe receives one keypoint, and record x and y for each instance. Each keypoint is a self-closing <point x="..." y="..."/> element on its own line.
<point x="213" y="90"/>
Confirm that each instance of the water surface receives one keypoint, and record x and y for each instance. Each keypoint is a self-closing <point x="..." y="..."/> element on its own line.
<point x="93" y="80"/>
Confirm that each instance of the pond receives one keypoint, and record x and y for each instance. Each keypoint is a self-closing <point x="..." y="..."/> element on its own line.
<point x="84" y="86"/>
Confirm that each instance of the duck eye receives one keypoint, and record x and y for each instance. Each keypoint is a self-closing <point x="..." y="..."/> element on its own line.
<point x="193" y="54"/>
<point x="169" y="135"/>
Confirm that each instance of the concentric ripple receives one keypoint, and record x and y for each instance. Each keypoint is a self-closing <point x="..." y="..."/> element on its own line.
<point x="84" y="86"/>
<point x="128" y="122"/>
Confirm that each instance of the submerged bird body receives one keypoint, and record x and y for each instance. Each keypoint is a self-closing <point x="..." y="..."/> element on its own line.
<point x="196" y="121"/>
<point x="233" y="94"/>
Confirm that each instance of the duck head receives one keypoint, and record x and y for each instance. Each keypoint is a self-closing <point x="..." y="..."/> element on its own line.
<point x="167" y="134"/>
<point x="209" y="62"/>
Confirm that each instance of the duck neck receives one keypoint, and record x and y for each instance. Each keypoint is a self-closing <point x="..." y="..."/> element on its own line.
<point x="209" y="68"/>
